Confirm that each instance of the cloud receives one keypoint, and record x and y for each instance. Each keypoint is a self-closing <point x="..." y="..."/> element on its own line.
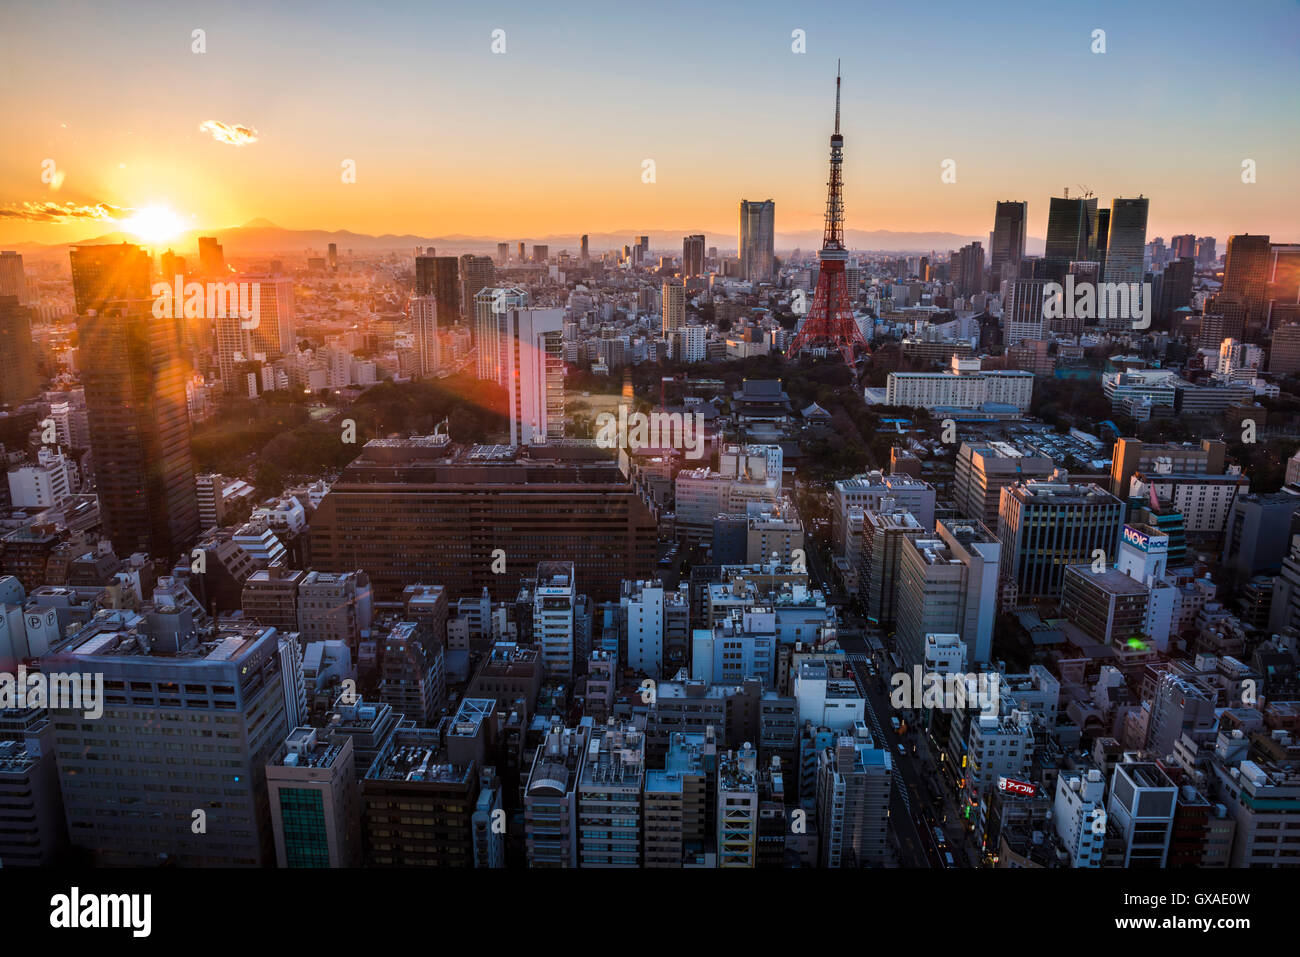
<point x="235" y="135"/>
<point x="60" y="213"/>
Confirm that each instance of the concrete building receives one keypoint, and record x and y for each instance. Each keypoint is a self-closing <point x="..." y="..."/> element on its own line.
<point x="555" y="600"/>
<point x="869" y="491"/>
<point x="738" y="808"/>
<point x="171" y="689"/>
<point x="1141" y="807"/>
<point x="948" y="584"/>
<point x="983" y="469"/>
<point x="966" y="386"/>
<point x="315" y="812"/>
<point x="610" y="798"/>
<point x="334" y="607"/>
<point x="1047" y="526"/>
<point x="550" y="796"/>
<point x="854" y="786"/>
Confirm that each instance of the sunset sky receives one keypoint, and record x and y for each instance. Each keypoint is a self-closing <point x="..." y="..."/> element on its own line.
<point x="449" y="138"/>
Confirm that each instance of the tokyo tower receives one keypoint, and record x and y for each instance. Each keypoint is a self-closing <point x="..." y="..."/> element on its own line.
<point x="831" y="317"/>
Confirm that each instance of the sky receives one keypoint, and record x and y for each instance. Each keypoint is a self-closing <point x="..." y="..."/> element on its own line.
<point x="552" y="135"/>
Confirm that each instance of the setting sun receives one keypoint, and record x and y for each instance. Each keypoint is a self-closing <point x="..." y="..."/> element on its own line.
<point x="154" y="224"/>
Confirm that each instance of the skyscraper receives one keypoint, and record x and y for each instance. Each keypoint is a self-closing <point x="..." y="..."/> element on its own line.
<point x="1245" y="274"/>
<point x="18" y="379"/>
<point x="1175" y="287"/>
<point x="274" y="333"/>
<point x="476" y="274"/>
<point x="967" y="269"/>
<point x="692" y="256"/>
<point x="1071" y="230"/>
<point x="585" y="252"/>
<point x="103" y="274"/>
<point x="673" y="314"/>
<point x="1126" y="240"/>
<point x="757" y="239"/>
<point x="212" y="259"/>
<point x="12" y="280"/>
<point x="503" y="254"/>
<point x="1008" y="243"/>
<point x="490" y="308"/>
<point x="424" y="322"/>
<point x="437" y="276"/>
<point x="139" y="428"/>
<point x="541" y="253"/>
<point x="1183" y="247"/>
<point x="534" y="374"/>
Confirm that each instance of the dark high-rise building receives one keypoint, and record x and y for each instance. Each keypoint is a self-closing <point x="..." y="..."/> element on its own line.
<point x="1103" y="240"/>
<point x="521" y="257"/>
<point x="333" y="256"/>
<point x="437" y="276"/>
<point x="1283" y="289"/>
<point x="967" y="269"/>
<point x="1126" y="240"/>
<point x="1176" y="287"/>
<point x="1008" y="244"/>
<point x="18" y="379"/>
<point x="415" y="511"/>
<point x="541" y="253"/>
<point x="139" y="428"/>
<point x="1071" y="230"/>
<point x="692" y="256"/>
<point x="757" y="239"/>
<point x="212" y="260"/>
<point x="476" y="274"/>
<point x="102" y="274"/>
<point x="1245" y="274"/>
<point x="1206" y="251"/>
<point x="13" y="282"/>
<point x="1183" y="247"/>
<point x="585" y="252"/>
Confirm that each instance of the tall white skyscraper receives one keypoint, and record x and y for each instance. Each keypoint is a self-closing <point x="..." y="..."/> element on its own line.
<point x="534" y="373"/>
<point x="490" y="308"/>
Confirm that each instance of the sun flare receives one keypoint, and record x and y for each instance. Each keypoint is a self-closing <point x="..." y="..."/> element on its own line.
<point x="154" y="224"/>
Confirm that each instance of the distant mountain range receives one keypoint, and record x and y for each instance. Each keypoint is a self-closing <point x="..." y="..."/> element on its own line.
<point x="262" y="236"/>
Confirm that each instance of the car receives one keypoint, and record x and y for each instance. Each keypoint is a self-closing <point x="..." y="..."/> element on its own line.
<point x="947" y="859"/>
<point x="896" y="723"/>
<point x="902" y="751"/>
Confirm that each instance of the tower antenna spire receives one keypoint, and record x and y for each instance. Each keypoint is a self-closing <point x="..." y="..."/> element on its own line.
<point x="837" y="96"/>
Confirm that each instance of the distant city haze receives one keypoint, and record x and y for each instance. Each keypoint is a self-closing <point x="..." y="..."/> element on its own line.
<point x="550" y="136"/>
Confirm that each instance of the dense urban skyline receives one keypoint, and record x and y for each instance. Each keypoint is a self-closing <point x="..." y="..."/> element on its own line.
<point x="887" y="507"/>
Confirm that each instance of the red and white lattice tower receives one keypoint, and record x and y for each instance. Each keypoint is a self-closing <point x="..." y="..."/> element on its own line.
<point x="831" y="317"/>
